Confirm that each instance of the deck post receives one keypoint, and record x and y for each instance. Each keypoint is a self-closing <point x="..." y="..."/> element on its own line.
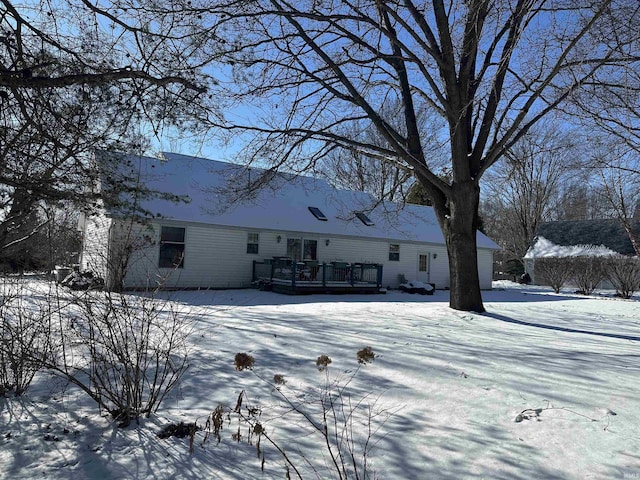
<point x="253" y="272"/>
<point x="324" y="274"/>
<point x="379" y="275"/>
<point x="273" y="270"/>
<point x="351" y="268"/>
<point x="293" y="273"/>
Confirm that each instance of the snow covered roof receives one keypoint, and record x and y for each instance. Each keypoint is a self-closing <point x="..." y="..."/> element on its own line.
<point x="587" y="234"/>
<point x="283" y="205"/>
<point x="545" y="248"/>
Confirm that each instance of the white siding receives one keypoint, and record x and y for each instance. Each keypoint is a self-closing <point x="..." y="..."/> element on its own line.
<point x="485" y="268"/>
<point x="438" y="266"/>
<point x="528" y="268"/>
<point x="215" y="257"/>
<point x="358" y="250"/>
<point x="377" y="251"/>
<point x="369" y="251"/>
<point x="95" y="244"/>
<point x="130" y="244"/>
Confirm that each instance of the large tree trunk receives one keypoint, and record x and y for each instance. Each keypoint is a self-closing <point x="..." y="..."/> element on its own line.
<point x="460" y="226"/>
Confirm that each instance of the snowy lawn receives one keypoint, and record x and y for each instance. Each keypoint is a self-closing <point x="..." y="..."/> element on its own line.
<point x="450" y="385"/>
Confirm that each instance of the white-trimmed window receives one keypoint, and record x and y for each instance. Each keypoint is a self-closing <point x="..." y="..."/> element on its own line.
<point x="302" y="249"/>
<point x="423" y="263"/>
<point x="171" y="247"/>
<point x="294" y="248"/>
<point x="253" y="242"/>
<point x="394" y="252"/>
<point x="310" y="250"/>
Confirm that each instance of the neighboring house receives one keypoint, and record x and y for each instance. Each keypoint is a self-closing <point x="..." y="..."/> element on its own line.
<point x="578" y="237"/>
<point x="212" y="243"/>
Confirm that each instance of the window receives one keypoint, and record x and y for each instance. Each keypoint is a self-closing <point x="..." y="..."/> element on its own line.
<point x="364" y="219"/>
<point x="310" y="250"/>
<point x="423" y="263"/>
<point x="253" y="241"/>
<point x="318" y="213"/>
<point x="298" y="249"/>
<point x="171" y="247"/>
<point x="394" y="252"/>
<point x="294" y="248"/>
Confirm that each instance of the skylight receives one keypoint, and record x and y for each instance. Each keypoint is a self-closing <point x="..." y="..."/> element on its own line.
<point x="364" y="219"/>
<point x="318" y="213"/>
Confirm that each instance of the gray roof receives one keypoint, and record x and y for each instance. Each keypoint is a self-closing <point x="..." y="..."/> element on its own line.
<point x="609" y="233"/>
<point x="283" y="206"/>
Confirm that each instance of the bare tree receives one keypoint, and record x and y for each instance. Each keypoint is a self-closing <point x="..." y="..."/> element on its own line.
<point x="620" y="187"/>
<point x="609" y="103"/>
<point x="491" y="69"/>
<point x="524" y="188"/>
<point x="609" y="108"/>
<point x="580" y="198"/>
<point x="76" y="76"/>
<point x="47" y="237"/>
<point x="360" y="170"/>
<point x="354" y="169"/>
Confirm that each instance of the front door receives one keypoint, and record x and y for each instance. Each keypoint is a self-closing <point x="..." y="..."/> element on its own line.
<point x="424" y="274"/>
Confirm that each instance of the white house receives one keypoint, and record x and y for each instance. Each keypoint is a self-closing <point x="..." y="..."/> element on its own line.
<point x="209" y="242"/>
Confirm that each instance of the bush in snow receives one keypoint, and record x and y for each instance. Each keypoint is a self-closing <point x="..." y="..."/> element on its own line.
<point x="588" y="272"/>
<point x="126" y="352"/>
<point x="624" y="275"/>
<point x="24" y="336"/>
<point x="553" y="271"/>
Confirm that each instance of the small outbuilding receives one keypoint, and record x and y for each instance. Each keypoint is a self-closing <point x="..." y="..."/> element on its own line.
<point x="198" y="234"/>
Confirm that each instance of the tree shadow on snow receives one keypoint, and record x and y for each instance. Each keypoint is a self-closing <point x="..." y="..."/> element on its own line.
<point x="449" y="453"/>
<point x="504" y="318"/>
<point x="251" y="298"/>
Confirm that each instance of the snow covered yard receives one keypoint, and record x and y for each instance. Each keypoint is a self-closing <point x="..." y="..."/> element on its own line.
<point x="452" y="384"/>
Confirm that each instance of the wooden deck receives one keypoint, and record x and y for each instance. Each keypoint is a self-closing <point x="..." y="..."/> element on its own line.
<point x="300" y="278"/>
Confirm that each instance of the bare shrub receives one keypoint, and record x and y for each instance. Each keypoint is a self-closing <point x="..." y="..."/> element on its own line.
<point x="588" y="272"/>
<point x="130" y="237"/>
<point x="126" y="352"/>
<point x="553" y="271"/>
<point x="624" y="275"/>
<point x="130" y="351"/>
<point x="24" y="336"/>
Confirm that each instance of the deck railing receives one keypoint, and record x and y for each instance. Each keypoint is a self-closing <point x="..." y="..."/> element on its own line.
<point x="286" y="271"/>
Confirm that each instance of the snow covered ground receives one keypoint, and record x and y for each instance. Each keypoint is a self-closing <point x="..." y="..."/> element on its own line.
<point x="450" y="385"/>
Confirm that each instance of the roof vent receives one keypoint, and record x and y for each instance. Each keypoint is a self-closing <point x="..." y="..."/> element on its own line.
<point x="318" y="213"/>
